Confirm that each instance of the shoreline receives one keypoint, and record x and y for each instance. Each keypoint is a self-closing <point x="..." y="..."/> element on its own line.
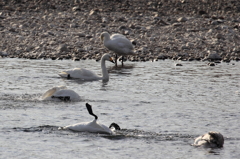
<point x="62" y="29"/>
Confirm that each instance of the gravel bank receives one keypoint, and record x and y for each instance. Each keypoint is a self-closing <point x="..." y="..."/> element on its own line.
<point x="161" y="29"/>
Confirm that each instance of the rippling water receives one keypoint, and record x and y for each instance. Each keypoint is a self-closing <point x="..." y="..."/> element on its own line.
<point x="160" y="107"/>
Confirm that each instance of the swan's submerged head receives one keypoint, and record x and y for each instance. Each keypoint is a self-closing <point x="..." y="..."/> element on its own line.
<point x="216" y="138"/>
<point x="211" y="139"/>
<point x="115" y="126"/>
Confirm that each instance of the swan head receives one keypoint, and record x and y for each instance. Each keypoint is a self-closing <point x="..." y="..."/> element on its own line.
<point x="104" y="35"/>
<point x="107" y="57"/>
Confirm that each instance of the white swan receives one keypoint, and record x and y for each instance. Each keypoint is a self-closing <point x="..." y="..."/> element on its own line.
<point x="85" y="74"/>
<point x="93" y="126"/>
<point x="211" y="139"/>
<point x="117" y="43"/>
<point x="60" y="93"/>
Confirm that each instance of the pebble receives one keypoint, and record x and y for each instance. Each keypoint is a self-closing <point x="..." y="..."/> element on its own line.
<point x="62" y="48"/>
<point x="182" y="19"/>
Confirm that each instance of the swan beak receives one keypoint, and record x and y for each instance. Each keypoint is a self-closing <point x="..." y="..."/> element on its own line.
<point x="111" y="60"/>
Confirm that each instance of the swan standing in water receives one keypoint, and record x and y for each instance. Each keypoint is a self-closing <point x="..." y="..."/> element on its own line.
<point x="117" y="43"/>
<point x="211" y="139"/>
<point x="93" y="126"/>
<point x="85" y="74"/>
<point x="61" y="93"/>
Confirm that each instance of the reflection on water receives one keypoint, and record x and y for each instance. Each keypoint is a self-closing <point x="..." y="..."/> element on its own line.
<point x="160" y="106"/>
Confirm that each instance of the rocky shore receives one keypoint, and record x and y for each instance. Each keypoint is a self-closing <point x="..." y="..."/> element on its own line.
<point x="159" y="29"/>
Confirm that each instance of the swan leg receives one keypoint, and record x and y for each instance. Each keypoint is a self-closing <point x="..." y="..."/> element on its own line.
<point x="122" y="60"/>
<point x="68" y="76"/>
<point x="116" y="60"/>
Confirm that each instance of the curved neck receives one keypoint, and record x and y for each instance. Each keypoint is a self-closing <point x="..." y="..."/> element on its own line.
<point x="106" y="39"/>
<point x="105" y="75"/>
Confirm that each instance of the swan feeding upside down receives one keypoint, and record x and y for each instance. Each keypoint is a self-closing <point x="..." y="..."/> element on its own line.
<point x="60" y="93"/>
<point x="117" y="43"/>
<point x="88" y="75"/>
<point x="92" y="126"/>
<point x="211" y="139"/>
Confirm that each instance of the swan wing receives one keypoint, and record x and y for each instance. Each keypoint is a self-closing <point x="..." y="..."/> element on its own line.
<point x="67" y="93"/>
<point x="51" y="91"/>
<point x="116" y="36"/>
<point x="93" y="127"/>
<point x="120" y="46"/>
<point x="79" y="73"/>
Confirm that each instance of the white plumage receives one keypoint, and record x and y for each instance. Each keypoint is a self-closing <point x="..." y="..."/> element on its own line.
<point x="85" y="74"/>
<point x="211" y="139"/>
<point x="92" y="126"/>
<point x="117" y="43"/>
<point x="60" y="93"/>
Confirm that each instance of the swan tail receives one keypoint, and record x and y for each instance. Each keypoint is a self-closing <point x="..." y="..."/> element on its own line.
<point x="63" y="74"/>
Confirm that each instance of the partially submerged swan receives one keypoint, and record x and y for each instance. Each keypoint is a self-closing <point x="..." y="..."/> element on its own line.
<point x="92" y="126"/>
<point x="211" y="139"/>
<point x="117" y="43"/>
<point x="85" y="74"/>
<point x="60" y="93"/>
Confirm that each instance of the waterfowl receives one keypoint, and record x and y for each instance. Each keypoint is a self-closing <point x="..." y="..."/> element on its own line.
<point x="85" y="74"/>
<point x="92" y="126"/>
<point x="117" y="43"/>
<point x="211" y="139"/>
<point x="60" y="93"/>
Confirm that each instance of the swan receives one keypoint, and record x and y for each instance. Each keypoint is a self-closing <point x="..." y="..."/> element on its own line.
<point x="117" y="43"/>
<point x="92" y="126"/>
<point x="60" y="93"/>
<point x="211" y="139"/>
<point x="85" y="74"/>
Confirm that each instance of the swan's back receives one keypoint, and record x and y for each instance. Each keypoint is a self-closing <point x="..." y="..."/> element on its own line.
<point x="119" y="44"/>
<point x="79" y="73"/>
<point x="57" y="93"/>
<point x="51" y="91"/>
<point x="93" y="126"/>
<point x="210" y="140"/>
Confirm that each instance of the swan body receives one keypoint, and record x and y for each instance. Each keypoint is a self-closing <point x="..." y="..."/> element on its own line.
<point x="117" y="43"/>
<point x="92" y="126"/>
<point x="211" y="139"/>
<point x="61" y="93"/>
<point x="88" y="75"/>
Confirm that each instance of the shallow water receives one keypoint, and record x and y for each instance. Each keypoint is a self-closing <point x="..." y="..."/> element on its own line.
<point x="160" y="107"/>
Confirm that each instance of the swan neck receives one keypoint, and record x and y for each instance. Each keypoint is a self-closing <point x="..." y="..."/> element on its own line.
<point x="105" y="75"/>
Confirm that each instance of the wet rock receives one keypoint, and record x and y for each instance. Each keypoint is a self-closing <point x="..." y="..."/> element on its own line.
<point x="62" y="48"/>
<point x="77" y="8"/>
<point x="3" y="53"/>
<point x="178" y="64"/>
<point x="220" y="36"/>
<point x="211" y="64"/>
<point x="81" y="34"/>
<point x="213" y="57"/>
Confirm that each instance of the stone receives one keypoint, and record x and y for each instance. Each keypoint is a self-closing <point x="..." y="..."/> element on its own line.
<point x="62" y="48"/>
<point x="213" y="57"/>
<point x="182" y="19"/>
<point x="76" y="9"/>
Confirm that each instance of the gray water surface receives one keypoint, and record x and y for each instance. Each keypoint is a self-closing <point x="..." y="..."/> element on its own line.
<point x="160" y="107"/>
